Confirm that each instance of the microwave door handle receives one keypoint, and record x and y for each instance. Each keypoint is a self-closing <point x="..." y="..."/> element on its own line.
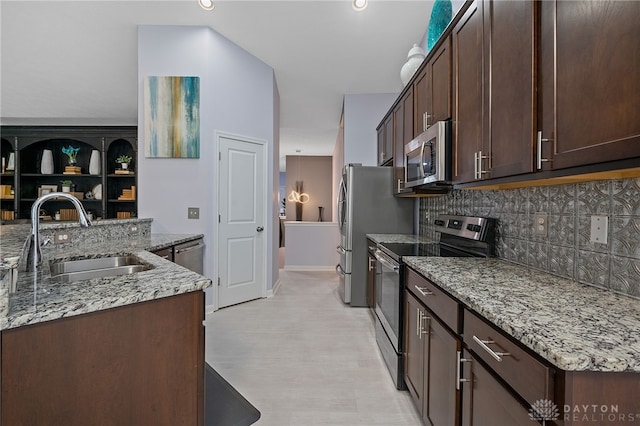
<point x="421" y="168"/>
<point x="423" y="159"/>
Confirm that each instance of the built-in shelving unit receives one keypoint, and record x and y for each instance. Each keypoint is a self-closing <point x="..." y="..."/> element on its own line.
<point x="106" y="193"/>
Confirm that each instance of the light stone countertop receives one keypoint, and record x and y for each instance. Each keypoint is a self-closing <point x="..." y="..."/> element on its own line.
<point x="38" y="298"/>
<point x="574" y="326"/>
<point x="398" y="238"/>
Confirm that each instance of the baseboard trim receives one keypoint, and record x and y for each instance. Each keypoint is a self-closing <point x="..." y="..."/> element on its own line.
<point x="272" y="292"/>
<point x="209" y="309"/>
<point x="310" y="268"/>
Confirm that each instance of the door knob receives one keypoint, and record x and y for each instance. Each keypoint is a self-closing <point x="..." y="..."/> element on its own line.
<point x="260" y="228"/>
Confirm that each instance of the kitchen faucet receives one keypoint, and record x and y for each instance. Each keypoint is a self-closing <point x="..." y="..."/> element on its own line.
<point x="32" y="245"/>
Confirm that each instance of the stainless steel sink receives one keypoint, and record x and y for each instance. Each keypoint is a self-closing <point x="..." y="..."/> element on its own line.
<point x="84" y="269"/>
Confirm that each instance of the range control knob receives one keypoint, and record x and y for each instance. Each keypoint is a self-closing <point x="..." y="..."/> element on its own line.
<point x="439" y="222"/>
<point x="473" y="228"/>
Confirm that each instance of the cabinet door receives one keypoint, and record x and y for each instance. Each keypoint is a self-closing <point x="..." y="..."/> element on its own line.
<point x="509" y="47"/>
<point x="468" y="89"/>
<point x="485" y="401"/>
<point x="589" y="56"/>
<point x="443" y="397"/>
<point x="416" y="346"/>
<point x="398" y="148"/>
<point x="388" y="138"/>
<point x="440" y="67"/>
<point x="422" y="100"/>
<point x="381" y="144"/>
<point x="403" y="123"/>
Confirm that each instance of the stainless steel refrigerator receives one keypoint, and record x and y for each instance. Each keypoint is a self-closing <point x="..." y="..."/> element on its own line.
<point x="366" y="205"/>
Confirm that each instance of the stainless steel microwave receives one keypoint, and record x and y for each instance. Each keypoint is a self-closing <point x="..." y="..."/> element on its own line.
<point x="428" y="157"/>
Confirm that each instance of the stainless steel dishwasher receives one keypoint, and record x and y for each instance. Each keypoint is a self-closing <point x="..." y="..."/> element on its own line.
<point x="190" y="255"/>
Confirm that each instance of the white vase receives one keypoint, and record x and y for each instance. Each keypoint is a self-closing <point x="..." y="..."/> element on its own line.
<point x="124" y="166"/>
<point x="414" y="59"/>
<point x="46" y="165"/>
<point x="94" y="162"/>
<point x="66" y="189"/>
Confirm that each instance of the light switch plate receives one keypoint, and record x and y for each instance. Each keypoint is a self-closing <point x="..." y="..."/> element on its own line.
<point x="193" y="213"/>
<point x="599" y="228"/>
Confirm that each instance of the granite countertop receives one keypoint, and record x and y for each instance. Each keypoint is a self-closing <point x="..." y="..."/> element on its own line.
<point x="398" y="238"/>
<point x="574" y="326"/>
<point x="38" y="298"/>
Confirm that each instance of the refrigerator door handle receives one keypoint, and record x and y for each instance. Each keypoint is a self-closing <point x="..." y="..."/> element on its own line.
<point x="339" y="270"/>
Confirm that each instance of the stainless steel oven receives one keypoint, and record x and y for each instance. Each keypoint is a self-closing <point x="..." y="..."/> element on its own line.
<point x="388" y="309"/>
<point x="460" y="236"/>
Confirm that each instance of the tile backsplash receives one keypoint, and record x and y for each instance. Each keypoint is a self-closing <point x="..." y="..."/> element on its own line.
<point x="567" y="249"/>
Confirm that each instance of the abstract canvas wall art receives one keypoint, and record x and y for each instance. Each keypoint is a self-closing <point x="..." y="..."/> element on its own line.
<point x="172" y="117"/>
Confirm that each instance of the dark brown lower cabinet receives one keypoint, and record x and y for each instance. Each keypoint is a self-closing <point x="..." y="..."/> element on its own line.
<point x="430" y="365"/>
<point x="132" y="365"/>
<point x="485" y="400"/>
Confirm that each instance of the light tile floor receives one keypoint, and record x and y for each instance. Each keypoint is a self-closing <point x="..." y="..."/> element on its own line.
<point x="302" y="357"/>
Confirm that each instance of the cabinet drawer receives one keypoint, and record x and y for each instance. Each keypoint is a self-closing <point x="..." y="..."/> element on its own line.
<point x="439" y="302"/>
<point x="525" y="374"/>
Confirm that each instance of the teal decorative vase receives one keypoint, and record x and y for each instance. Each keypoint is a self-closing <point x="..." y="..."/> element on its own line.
<point x="440" y="18"/>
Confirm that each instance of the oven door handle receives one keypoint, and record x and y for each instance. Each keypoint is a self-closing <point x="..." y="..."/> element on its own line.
<point x="389" y="263"/>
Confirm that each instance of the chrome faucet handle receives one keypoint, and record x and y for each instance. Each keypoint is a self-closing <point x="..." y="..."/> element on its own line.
<point x="46" y="241"/>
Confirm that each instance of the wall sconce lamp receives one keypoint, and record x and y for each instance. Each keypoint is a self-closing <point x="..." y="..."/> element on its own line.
<point x="206" y="4"/>
<point x="359" y="5"/>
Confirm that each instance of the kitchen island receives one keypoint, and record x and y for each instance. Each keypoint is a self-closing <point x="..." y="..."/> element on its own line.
<point x="127" y="349"/>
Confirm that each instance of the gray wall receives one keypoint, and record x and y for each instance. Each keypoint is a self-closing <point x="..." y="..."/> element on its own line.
<point x="237" y="95"/>
<point x="567" y="250"/>
<point x="362" y="114"/>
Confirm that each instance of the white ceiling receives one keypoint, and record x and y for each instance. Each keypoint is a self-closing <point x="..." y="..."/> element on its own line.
<point x="75" y="62"/>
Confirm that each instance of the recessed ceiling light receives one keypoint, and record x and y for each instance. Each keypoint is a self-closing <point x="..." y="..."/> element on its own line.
<point x="206" y="4"/>
<point x="359" y="5"/>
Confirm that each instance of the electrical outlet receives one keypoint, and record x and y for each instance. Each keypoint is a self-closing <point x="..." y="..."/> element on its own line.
<point x="599" y="228"/>
<point x="540" y="224"/>
<point x="133" y="229"/>
<point x="62" y="237"/>
<point x="193" y="213"/>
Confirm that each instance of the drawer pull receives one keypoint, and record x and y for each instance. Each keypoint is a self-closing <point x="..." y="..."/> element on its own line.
<point x="423" y="291"/>
<point x="483" y="344"/>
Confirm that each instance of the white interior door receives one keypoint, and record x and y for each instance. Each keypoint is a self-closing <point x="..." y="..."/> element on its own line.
<point x="242" y="210"/>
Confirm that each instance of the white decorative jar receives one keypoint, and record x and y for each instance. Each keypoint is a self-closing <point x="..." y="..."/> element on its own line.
<point x="94" y="162"/>
<point x="46" y="165"/>
<point x="414" y="59"/>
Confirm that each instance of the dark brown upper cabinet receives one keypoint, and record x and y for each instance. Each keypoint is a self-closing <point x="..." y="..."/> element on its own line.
<point x="589" y="82"/>
<point x="432" y="90"/>
<point x="385" y="141"/>
<point x="494" y="87"/>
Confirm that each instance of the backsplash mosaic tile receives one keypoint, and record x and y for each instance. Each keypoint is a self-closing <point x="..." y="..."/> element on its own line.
<point x="567" y="250"/>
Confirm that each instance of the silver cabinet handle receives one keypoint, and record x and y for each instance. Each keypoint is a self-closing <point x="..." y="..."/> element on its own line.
<point x="541" y="160"/>
<point x="423" y="290"/>
<point x="399" y="185"/>
<point x="480" y="158"/>
<point x="420" y="329"/>
<point x="459" y="361"/>
<point x="260" y="228"/>
<point x="475" y="165"/>
<point x="483" y="344"/>
<point x="371" y="264"/>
